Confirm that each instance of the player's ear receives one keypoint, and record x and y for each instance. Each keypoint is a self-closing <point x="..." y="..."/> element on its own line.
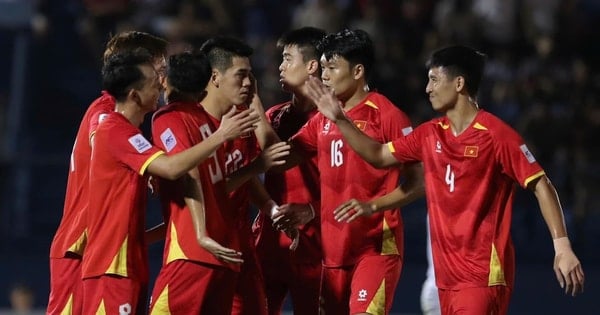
<point x="358" y="71"/>
<point x="312" y="67"/>
<point x="459" y="83"/>
<point x="215" y="77"/>
<point x="134" y="95"/>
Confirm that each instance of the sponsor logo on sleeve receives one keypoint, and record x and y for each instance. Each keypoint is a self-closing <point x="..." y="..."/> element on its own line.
<point x="471" y="151"/>
<point x="140" y="143"/>
<point x="406" y="131"/>
<point x="530" y="158"/>
<point x="168" y="139"/>
<point x="101" y="117"/>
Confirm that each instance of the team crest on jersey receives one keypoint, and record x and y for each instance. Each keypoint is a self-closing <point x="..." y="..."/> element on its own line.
<point x="471" y="151"/>
<point x="438" y="147"/>
<point x="168" y="139"/>
<point x="361" y="124"/>
<point x="528" y="155"/>
<point x="326" y="127"/>
<point x="140" y="143"/>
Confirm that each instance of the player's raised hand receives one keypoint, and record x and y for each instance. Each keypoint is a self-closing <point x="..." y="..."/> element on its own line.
<point x="292" y="215"/>
<point x="567" y="267"/>
<point x="221" y="253"/>
<point x="235" y="123"/>
<point x="274" y="155"/>
<point x="324" y="98"/>
<point x="352" y="209"/>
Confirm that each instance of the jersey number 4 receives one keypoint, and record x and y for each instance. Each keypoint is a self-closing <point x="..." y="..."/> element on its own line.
<point x="450" y="178"/>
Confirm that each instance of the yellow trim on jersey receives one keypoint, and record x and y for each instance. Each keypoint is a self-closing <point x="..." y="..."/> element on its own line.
<point x="118" y="266"/>
<point x="101" y="309"/>
<point x="175" y="251"/>
<point x="161" y="305"/>
<point x="79" y="245"/>
<point x="532" y="177"/>
<point x="388" y="244"/>
<point x="91" y="137"/>
<point x="391" y="147"/>
<point x="377" y="305"/>
<point x="479" y="126"/>
<point x="68" y="309"/>
<point x="496" y="276"/>
<point x="443" y="126"/>
<point x="149" y="160"/>
<point x="371" y="104"/>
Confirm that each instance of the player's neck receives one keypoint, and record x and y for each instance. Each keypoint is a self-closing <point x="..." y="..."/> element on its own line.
<point x="215" y="106"/>
<point x="301" y="103"/>
<point x="131" y="111"/>
<point x="355" y="99"/>
<point x="462" y="114"/>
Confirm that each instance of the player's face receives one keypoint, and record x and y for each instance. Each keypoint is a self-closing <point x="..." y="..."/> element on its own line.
<point x="338" y="75"/>
<point x="235" y="84"/>
<point x="442" y="89"/>
<point x="150" y="91"/>
<point x="160" y="66"/>
<point x="293" y="71"/>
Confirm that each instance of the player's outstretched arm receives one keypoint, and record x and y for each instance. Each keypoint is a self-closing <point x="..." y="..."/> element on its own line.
<point x="410" y="190"/>
<point x="194" y="200"/>
<point x="375" y="153"/>
<point x="232" y="125"/>
<point x="566" y="265"/>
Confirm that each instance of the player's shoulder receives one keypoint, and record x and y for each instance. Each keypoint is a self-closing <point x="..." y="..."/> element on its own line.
<point x="176" y="110"/>
<point x="383" y="104"/>
<point x="489" y="122"/>
<point x="103" y="103"/>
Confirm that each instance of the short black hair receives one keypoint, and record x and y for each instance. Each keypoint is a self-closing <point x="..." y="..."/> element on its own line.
<point x="307" y="40"/>
<point x="221" y="50"/>
<point x="121" y="72"/>
<point x="460" y="61"/>
<point x="353" y="45"/>
<point x="188" y="72"/>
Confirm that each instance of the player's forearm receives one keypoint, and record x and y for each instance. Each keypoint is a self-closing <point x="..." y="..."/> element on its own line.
<point x="243" y="174"/>
<point x="258" y="194"/>
<point x="194" y="200"/>
<point x="367" y="148"/>
<point x="176" y="165"/>
<point x="550" y="207"/>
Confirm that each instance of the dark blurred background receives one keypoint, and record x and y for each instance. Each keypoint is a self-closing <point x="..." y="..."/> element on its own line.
<point x="542" y="78"/>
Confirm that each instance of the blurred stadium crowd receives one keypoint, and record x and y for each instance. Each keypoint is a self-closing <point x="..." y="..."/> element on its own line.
<point x="542" y="77"/>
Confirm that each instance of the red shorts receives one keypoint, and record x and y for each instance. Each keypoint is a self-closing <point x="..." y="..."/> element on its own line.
<point x="111" y="294"/>
<point x="250" y="297"/>
<point x="367" y="287"/>
<point x="475" y="301"/>
<point x="66" y="289"/>
<point x="187" y="287"/>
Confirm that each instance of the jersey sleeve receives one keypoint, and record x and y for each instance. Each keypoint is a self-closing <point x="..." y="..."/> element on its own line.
<point x="516" y="160"/>
<point x="407" y="148"/>
<point x="170" y="133"/>
<point x="395" y="124"/>
<point x="95" y="119"/>
<point x="129" y="146"/>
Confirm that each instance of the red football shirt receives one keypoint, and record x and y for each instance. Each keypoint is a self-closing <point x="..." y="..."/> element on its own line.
<point x="469" y="180"/>
<point x="299" y="184"/>
<point x="345" y="175"/>
<point x="117" y="202"/>
<point x="175" y="128"/>
<point x="70" y="235"/>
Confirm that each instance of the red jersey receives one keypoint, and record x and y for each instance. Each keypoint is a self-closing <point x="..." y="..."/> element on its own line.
<point x="70" y="235"/>
<point x="299" y="184"/>
<point x="175" y="128"/>
<point x="117" y="204"/>
<point x="469" y="181"/>
<point x="345" y="175"/>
